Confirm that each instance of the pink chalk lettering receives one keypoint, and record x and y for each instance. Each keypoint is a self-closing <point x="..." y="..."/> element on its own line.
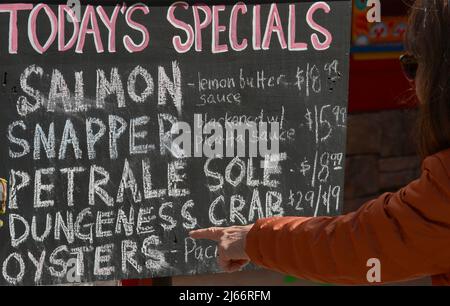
<point x="131" y="46"/>
<point x="292" y="44"/>
<point x="179" y="46"/>
<point x="274" y="25"/>
<point x="200" y="25"/>
<point x="62" y="11"/>
<point x="216" y="29"/>
<point x="235" y="45"/>
<point x="89" y="17"/>
<point x="310" y="20"/>
<point x="110" y="23"/>
<point x="12" y="9"/>
<point x="32" y="28"/>
<point x="257" y="27"/>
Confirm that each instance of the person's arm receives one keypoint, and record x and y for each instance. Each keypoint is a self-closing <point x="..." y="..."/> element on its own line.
<point x="408" y="231"/>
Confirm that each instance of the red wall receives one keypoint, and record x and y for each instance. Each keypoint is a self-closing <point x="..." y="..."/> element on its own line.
<point x="378" y="85"/>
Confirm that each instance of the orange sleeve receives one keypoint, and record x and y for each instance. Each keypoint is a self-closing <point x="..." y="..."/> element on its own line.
<point x="408" y="231"/>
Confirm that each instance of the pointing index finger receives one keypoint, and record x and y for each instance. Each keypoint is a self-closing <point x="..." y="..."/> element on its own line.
<point x="212" y="233"/>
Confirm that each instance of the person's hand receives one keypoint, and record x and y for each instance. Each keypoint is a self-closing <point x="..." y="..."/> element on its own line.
<point x="230" y="243"/>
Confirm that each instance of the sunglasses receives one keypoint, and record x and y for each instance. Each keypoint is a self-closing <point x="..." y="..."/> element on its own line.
<point x="409" y="66"/>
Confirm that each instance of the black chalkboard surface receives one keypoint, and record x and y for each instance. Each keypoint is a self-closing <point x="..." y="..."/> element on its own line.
<point x="96" y="188"/>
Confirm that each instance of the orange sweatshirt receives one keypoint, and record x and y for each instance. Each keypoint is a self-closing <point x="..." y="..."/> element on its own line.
<point x="408" y="231"/>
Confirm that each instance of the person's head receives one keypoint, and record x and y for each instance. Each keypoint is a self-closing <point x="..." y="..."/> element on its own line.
<point x="428" y="40"/>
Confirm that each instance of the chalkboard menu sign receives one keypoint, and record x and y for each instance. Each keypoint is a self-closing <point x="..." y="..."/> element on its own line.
<point x="125" y="126"/>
